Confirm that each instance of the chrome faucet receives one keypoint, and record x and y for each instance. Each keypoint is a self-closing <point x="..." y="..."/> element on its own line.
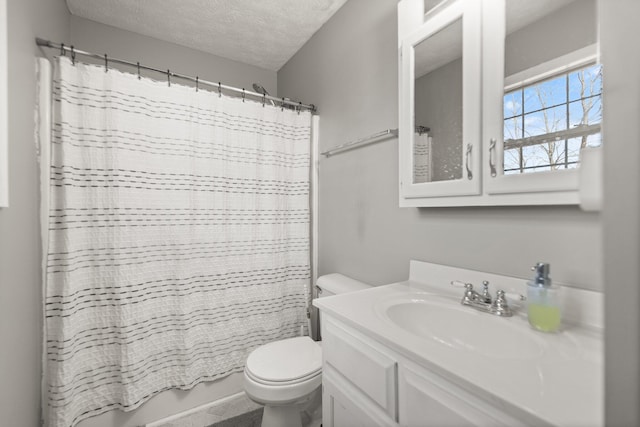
<point x="483" y="301"/>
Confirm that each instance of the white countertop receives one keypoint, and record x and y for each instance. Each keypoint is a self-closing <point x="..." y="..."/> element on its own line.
<point x="561" y="385"/>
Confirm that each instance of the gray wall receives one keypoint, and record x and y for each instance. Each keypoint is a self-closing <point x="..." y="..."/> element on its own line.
<point x="556" y="34"/>
<point x="619" y="32"/>
<point x="349" y="70"/>
<point x="20" y="289"/>
<point x="95" y="37"/>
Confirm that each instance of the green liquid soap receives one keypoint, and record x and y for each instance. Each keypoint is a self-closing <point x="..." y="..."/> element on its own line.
<point x="544" y="318"/>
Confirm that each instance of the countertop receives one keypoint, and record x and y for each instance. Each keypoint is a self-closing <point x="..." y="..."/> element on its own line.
<point x="561" y="384"/>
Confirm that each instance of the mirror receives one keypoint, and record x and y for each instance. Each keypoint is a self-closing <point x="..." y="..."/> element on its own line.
<point x="438" y="141"/>
<point x="440" y="102"/>
<point x="552" y="107"/>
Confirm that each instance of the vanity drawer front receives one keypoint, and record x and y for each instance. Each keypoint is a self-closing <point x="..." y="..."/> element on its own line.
<point x="343" y="405"/>
<point x="364" y="364"/>
<point x="427" y="400"/>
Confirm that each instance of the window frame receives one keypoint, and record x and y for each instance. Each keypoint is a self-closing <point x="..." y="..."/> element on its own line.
<point x="560" y="135"/>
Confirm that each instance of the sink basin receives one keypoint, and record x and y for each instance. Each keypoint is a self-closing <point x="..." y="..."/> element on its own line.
<point x="446" y="322"/>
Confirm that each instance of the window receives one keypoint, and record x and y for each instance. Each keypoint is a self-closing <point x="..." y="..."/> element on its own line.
<point x="548" y="122"/>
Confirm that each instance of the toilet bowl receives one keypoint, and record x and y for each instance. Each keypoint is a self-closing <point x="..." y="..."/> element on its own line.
<point x="285" y="375"/>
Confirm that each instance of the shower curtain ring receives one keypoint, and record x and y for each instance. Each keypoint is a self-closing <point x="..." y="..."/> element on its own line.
<point x="264" y="97"/>
<point x="299" y="107"/>
<point x="73" y="56"/>
<point x="219" y="90"/>
<point x="62" y="51"/>
<point x="197" y="78"/>
<point x="139" y="71"/>
<point x="242" y="94"/>
<point x="106" y="63"/>
<point x="168" y="78"/>
<point x="282" y="105"/>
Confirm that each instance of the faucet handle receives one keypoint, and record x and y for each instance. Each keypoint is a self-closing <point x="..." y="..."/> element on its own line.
<point x="515" y="296"/>
<point x="460" y="284"/>
<point x="469" y="292"/>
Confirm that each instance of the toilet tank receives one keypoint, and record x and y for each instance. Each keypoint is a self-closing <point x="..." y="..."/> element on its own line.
<point x="328" y="285"/>
<point x="333" y="284"/>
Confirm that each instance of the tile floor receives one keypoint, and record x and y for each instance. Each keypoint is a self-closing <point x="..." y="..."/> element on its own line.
<point x="237" y="412"/>
<point x="241" y="412"/>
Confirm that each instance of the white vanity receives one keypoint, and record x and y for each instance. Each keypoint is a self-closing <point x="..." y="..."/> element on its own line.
<point x="410" y="354"/>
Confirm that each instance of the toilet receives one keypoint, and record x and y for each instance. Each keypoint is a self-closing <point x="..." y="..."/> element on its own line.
<point x="285" y="375"/>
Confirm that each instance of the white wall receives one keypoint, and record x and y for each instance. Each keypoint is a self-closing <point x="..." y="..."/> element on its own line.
<point x="20" y="291"/>
<point x="349" y="70"/>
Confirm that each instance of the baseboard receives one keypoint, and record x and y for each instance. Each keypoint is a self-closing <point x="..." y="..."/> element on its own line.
<point x="174" y="417"/>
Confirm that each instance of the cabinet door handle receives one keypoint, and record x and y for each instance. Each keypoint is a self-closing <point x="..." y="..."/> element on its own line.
<point x="492" y="152"/>
<point x="466" y="162"/>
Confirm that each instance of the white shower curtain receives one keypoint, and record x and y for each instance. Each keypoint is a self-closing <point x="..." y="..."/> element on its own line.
<point x="178" y="237"/>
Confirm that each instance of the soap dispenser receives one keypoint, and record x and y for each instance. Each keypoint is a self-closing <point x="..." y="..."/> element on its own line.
<point x="543" y="299"/>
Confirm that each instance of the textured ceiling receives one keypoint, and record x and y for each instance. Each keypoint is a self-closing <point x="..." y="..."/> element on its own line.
<point x="264" y="33"/>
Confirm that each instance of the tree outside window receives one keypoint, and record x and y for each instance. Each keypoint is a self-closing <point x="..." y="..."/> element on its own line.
<point x="547" y="123"/>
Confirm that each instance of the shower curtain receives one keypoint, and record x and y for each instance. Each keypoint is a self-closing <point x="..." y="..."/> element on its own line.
<point x="177" y="237"/>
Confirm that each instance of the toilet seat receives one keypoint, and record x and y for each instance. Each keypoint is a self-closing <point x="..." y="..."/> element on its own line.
<point x="281" y="383"/>
<point x="283" y="372"/>
<point x="284" y="362"/>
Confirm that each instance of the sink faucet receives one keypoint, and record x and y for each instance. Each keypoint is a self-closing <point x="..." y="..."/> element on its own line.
<point x="483" y="301"/>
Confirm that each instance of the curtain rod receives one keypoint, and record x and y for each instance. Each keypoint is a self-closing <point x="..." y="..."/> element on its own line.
<point x="361" y="142"/>
<point x="64" y="49"/>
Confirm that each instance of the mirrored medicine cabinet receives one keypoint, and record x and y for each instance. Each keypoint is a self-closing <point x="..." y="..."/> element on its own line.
<point x="499" y="99"/>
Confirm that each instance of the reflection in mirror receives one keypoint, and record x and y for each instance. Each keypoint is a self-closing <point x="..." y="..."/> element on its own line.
<point x="553" y="85"/>
<point x="437" y="149"/>
<point x="429" y="5"/>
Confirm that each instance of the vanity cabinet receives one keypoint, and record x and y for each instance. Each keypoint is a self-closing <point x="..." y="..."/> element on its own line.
<point x="366" y="383"/>
<point x="345" y="405"/>
<point x="357" y="367"/>
<point x="498" y="100"/>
